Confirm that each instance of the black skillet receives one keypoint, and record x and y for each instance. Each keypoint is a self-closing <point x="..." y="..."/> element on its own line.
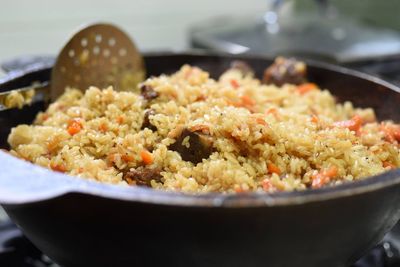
<point x="83" y="223"/>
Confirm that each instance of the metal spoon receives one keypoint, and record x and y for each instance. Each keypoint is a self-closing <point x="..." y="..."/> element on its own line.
<point x="97" y="55"/>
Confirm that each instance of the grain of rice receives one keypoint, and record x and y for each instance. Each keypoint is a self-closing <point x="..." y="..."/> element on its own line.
<point x="272" y="124"/>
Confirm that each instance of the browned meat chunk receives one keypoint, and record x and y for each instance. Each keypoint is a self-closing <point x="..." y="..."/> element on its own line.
<point x="285" y="70"/>
<point x="193" y="146"/>
<point x="142" y="176"/>
<point x="148" y="92"/>
<point x="242" y="66"/>
<point x="146" y="121"/>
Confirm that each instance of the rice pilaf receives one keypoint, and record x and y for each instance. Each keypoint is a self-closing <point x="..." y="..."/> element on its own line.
<point x="187" y="132"/>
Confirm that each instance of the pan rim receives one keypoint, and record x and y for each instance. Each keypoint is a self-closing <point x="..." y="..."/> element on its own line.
<point x="66" y="184"/>
<point x="63" y="185"/>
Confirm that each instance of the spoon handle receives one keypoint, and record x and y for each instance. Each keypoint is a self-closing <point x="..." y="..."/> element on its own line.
<point x="17" y="98"/>
<point x="27" y="62"/>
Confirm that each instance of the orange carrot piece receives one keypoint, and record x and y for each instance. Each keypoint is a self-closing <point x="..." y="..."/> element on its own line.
<point x="388" y="164"/>
<point x="234" y="83"/>
<point x="396" y="134"/>
<point x="387" y="132"/>
<point x="354" y="124"/>
<point x="233" y="103"/>
<point x="247" y="101"/>
<point x="147" y="157"/>
<point x="239" y="189"/>
<point x="127" y="158"/>
<point x="58" y="167"/>
<point x="319" y="180"/>
<point x="111" y="159"/>
<point x="357" y="122"/>
<point x="331" y="172"/>
<point x="74" y="127"/>
<point x="201" y="98"/>
<point x="314" y="119"/>
<point x="324" y="177"/>
<point x="200" y="127"/>
<point x="392" y="132"/>
<point x="306" y="87"/>
<point x="272" y="168"/>
<point x="272" y="111"/>
<point x="45" y="116"/>
<point x="120" y="119"/>
<point x="261" y="121"/>
<point x="103" y="127"/>
<point x="267" y="185"/>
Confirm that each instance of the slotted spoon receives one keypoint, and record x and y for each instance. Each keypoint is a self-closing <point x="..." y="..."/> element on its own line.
<point x="98" y="55"/>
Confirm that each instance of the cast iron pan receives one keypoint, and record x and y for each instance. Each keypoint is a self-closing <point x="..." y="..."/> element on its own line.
<point x="82" y="223"/>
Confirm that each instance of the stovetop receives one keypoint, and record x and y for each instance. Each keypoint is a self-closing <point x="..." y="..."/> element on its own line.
<point x="17" y="251"/>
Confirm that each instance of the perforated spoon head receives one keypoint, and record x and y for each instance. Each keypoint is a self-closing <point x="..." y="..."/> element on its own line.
<point x="98" y="55"/>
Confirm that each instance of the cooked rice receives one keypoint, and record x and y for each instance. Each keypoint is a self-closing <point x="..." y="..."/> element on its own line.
<point x="265" y="138"/>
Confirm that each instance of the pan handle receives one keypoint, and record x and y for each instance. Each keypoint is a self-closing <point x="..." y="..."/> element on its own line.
<point x="27" y="95"/>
